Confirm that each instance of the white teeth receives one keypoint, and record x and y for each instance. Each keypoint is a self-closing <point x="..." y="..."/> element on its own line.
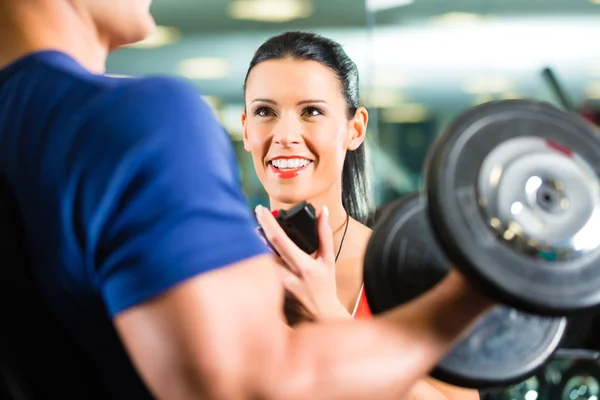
<point x="290" y="163"/>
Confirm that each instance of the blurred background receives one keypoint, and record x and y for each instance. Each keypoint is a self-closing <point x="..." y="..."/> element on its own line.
<point x="421" y="63"/>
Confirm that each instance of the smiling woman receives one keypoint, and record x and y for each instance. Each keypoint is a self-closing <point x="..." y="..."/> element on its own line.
<point x="328" y="102"/>
<point x="305" y="130"/>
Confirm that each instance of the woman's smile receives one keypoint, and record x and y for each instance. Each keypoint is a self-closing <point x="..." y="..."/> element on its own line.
<point x="288" y="167"/>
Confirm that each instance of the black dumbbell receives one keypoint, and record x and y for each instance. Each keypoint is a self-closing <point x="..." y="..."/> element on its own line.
<point x="513" y="195"/>
<point x="509" y="198"/>
<point x="403" y="261"/>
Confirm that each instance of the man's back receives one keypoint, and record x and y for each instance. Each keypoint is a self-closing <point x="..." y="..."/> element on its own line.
<point x="90" y="181"/>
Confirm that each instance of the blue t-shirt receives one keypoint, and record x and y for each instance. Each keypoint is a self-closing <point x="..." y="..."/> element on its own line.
<point x="126" y="187"/>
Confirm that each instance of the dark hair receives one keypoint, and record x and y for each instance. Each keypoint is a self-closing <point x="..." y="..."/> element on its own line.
<point x="356" y="190"/>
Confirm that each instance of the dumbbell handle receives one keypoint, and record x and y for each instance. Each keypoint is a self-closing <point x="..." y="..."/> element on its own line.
<point x="577" y="354"/>
<point x="552" y="81"/>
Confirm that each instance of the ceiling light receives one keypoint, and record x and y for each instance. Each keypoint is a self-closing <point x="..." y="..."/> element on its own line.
<point x="382" y="98"/>
<point x="595" y="1"/>
<point x="161" y="36"/>
<point x="488" y="84"/>
<point x="379" y="5"/>
<point x="270" y="10"/>
<point x="387" y="79"/>
<point x="203" y="68"/>
<point x="404" y="113"/>
<point x="457" y="18"/>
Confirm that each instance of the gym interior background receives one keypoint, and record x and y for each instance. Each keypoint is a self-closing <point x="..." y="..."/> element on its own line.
<point x="421" y="63"/>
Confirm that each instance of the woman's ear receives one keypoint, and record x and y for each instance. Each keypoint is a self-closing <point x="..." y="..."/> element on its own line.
<point x="358" y="128"/>
<point x="245" y="131"/>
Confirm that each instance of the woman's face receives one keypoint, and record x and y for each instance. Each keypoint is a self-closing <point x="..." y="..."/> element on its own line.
<point x="296" y="126"/>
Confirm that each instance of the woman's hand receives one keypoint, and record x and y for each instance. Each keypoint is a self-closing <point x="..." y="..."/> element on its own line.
<point x="312" y="281"/>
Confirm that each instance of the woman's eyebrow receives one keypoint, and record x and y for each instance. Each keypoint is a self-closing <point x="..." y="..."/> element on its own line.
<point x="264" y="100"/>
<point x="311" y="101"/>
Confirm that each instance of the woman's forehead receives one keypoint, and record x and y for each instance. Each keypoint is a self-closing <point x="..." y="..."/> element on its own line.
<point x="289" y="77"/>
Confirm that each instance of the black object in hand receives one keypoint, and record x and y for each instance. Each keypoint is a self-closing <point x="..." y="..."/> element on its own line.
<point x="300" y="224"/>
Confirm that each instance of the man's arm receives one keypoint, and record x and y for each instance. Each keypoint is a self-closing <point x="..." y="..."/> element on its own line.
<point x="222" y="335"/>
<point x="164" y="226"/>
<point x="453" y="392"/>
<point x="424" y="390"/>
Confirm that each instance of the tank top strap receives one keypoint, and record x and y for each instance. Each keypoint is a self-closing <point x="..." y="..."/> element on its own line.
<point x="362" y="309"/>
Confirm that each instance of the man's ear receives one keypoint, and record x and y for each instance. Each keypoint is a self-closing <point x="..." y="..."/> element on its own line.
<point x="358" y="128"/>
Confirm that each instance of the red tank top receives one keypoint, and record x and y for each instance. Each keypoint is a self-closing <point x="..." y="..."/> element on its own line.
<point x="362" y="309"/>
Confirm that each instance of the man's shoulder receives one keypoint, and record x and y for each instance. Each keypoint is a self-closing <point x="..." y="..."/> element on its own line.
<point x="163" y="95"/>
<point x="55" y="84"/>
<point x="156" y="89"/>
<point x="138" y="108"/>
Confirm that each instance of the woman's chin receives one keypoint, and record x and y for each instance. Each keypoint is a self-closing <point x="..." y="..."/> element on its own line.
<point x="290" y="198"/>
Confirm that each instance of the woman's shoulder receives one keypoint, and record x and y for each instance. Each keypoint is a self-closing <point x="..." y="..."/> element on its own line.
<point x="362" y="229"/>
<point x="358" y="237"/>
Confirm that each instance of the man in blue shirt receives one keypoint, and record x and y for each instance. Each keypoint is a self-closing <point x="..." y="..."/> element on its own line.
<point x="141" y="243"/>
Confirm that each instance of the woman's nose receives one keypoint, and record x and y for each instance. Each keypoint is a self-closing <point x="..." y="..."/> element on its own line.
<point x="287" y="133"/>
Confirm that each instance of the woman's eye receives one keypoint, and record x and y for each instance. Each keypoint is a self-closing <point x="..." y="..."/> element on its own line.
<point x="312" y="111"/>
<point x="263" y="112"/>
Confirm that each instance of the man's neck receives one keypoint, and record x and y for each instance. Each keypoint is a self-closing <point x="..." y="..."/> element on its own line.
<point x="30" y="31"/>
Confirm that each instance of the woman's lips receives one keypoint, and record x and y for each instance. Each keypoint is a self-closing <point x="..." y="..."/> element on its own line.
<point x="290" y="168"/>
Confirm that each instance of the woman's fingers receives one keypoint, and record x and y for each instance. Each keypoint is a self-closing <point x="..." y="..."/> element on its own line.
<point x="326" y="249"/>
<point x="291" y="254"/>
<point x="290" y="281"/>
<point x="294" y="285"/>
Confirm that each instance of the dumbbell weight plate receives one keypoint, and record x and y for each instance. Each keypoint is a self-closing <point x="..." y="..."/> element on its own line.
<point x="513" y="195"/>
<point x="403" y="261"/>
